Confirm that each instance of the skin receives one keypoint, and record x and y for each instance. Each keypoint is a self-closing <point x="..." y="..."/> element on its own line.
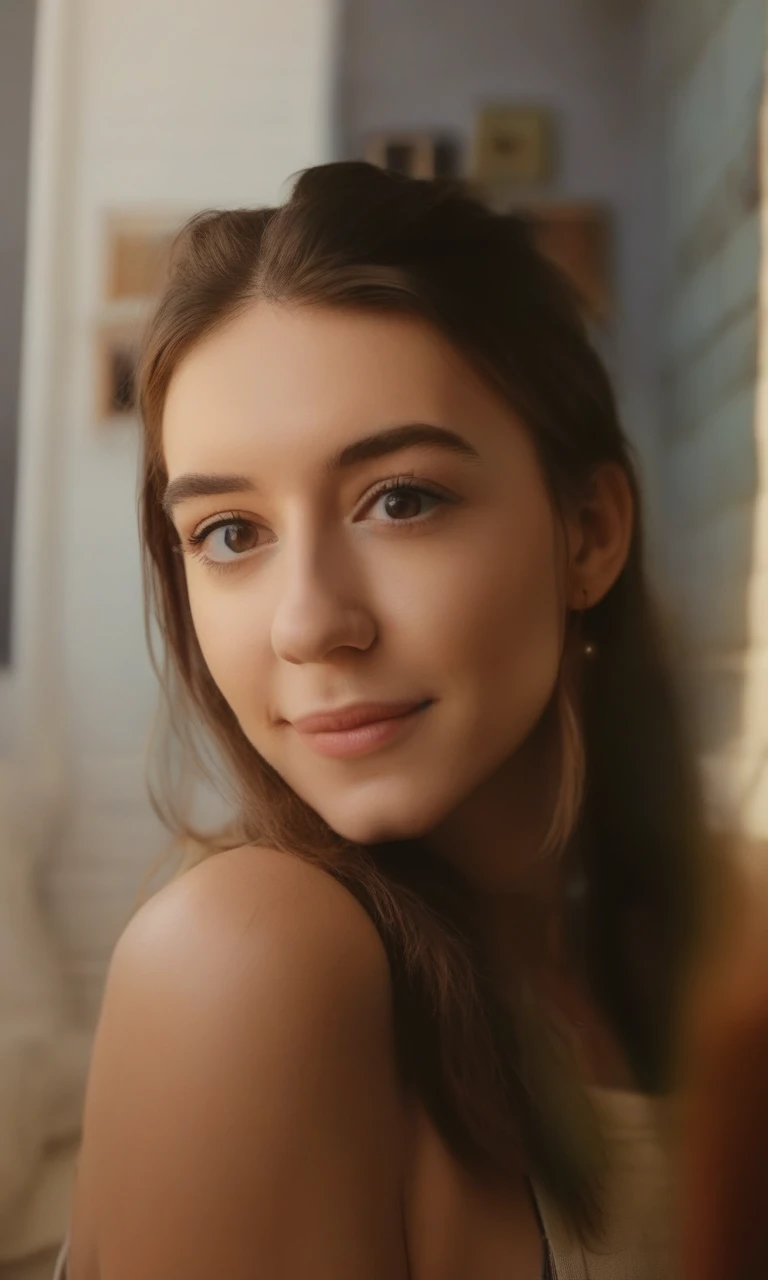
<point x="243" y="1078"/>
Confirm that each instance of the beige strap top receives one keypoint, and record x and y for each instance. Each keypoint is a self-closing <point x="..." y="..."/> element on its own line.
<point x="638" y="1241"/>
<point x="637" y="1244"/>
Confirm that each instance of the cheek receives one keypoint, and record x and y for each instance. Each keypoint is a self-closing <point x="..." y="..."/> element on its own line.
<point x="493" y="621"/>
<point x="490" y="607"/>
<point x="519" y="615"/>
<point x="231" y="635"/>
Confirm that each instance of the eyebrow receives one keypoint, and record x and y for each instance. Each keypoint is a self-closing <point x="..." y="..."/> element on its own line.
<point x="378" y="445"/>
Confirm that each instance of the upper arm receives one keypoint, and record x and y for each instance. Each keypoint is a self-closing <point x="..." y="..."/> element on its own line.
<point x="242" y="1115"/>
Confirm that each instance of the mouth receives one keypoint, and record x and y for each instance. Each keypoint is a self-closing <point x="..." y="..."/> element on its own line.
<point x="357" y="730"/>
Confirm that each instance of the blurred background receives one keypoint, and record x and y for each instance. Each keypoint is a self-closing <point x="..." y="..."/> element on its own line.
<point x="629" y="131"/>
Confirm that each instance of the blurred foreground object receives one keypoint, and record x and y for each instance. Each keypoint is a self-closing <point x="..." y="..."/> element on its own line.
<point x="725" y="1170"/>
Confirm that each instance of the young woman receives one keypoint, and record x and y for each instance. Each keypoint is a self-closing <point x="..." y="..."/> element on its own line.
<point x="415" y="1023"/>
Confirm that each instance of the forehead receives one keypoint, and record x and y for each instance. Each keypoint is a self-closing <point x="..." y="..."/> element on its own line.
<point x="298" y="381"/>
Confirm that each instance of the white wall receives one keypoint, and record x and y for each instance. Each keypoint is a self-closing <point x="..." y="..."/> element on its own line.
<point x="155" y="103"/>
<point x="430" y="64"/>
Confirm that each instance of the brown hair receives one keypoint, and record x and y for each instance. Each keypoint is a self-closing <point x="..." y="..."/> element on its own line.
<point x="353" y="236"/>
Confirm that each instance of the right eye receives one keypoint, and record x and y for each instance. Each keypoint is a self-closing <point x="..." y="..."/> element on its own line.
<point x="225" y="541"/>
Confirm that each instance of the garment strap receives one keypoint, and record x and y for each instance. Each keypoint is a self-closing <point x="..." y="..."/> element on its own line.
<point x="547" y="1273"/>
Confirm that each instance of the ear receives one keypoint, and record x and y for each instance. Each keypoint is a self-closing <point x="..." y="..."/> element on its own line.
<point x="599" y="536"/>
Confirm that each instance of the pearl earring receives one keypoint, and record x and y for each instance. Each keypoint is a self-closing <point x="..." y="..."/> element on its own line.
<point x="589" y="648"/>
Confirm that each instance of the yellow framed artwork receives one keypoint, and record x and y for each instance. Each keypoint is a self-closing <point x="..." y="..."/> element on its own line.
<point x="513" y="145"/>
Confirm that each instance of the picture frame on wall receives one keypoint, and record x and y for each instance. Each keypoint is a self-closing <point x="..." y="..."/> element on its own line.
<point x="118" y="353"/>
<point x="415" y="155"/>
<point x="137" y="250"/>
<point x="513" y="145"/>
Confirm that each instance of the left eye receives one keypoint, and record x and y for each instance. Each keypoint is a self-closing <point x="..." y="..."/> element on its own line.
<point x="405" y="502"/>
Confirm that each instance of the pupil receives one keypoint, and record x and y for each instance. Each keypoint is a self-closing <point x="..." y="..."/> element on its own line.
<point x="401" y="504"/>
<point x="236" y="538"/>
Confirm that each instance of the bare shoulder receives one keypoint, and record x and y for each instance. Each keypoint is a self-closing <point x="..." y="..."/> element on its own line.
<point x="254" y="896"/>
<point x="243" y="1083"/>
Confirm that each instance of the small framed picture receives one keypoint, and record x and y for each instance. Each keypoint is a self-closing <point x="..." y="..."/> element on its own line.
<point x="118" y="352"/>
<point x="416" y="155"/>
<point x="513" y="145"/>
<point x="138" y="250"/>
<point x="136" y="254"/>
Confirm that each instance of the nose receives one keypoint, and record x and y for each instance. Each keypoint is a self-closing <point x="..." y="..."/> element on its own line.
<point x="320" y="607"/>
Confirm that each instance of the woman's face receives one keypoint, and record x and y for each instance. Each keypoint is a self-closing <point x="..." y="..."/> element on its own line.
<point x="364" y="522"/>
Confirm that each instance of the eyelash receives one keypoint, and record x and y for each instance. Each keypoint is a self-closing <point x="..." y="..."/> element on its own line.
<point x="196" y="540"/>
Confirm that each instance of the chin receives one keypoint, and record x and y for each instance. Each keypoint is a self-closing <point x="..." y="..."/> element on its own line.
<point x="370" y="831"/>
<point x="367" y="819"/>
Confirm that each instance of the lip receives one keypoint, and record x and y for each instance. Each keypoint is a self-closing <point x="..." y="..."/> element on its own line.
<point x="362" y="734"/>
<point x="354" y="715"/>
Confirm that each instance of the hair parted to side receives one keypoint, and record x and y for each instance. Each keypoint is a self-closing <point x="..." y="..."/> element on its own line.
<point x="490" y="1071"/>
